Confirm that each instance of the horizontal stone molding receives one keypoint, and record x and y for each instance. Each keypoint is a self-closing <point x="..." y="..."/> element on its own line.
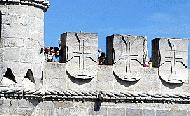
<point x="103" y="96"/>
<point x="43" y="4"/>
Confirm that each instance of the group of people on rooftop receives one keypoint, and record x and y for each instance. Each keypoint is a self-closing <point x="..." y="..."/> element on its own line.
<point x="52" y="54"/>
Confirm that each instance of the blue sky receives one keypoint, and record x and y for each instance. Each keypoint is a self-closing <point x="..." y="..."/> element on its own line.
<point x="153" y="18"/>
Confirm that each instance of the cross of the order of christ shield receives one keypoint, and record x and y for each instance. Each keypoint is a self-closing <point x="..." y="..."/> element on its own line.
<point x="81" y="62"/>
<point x="128" y="57"/>
<point x="172" y="67"/>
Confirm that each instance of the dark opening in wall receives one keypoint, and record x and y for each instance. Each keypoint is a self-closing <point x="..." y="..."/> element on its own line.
<point x="30" y="76"/>
<point x="110" y="52"/>
<point x="64" y="49"/>
<point x="9" y="74"/>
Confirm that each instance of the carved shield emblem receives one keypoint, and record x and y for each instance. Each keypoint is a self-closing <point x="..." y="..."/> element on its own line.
<point x="81" y="58"/>
<point x="173" y="55"/>
<point x="129" y="53"/>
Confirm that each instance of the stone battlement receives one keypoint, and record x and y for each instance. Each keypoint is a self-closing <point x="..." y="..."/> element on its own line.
<point x="125" y="69"/>
<point x="79" y="85"/>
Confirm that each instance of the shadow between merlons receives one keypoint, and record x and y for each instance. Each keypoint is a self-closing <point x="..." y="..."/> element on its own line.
<point x="170" y="85"/>
<point x="78" y="80"/>
<point x="123" y="82"/>
<point x="34" y="102"/>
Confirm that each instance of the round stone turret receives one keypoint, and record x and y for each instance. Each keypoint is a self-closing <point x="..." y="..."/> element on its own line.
<point x="22" y="38"/>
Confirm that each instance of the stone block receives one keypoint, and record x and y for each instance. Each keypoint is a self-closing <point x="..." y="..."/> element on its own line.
<point x="12" y="54"/>
<point x="78" y="111"/>
<point x="61" y="112"/>
<point x="116" y="112"/>
<point x="19" y="111"/>
<point x="15" y="18"/>
<point x="57" y="84"/>
<point x="30" y="43"/>
<point x="1" y="55"/>
<point x="45" y="105"/>
<point x="28" y="56"/>
<point x="171" y="57"/>
<point x="22" y="103"/>
<point x="64" y="104"/>
<point x="13" y="42"/>
<point x="103" y="111"/>
<point x="81" y="54"/>
<point x="162" y="113"/>
<point x="38" y="112"/>
<point x="188" y="113"/>
<point x="105" y="77"/>
<point x="10" y="18"/>
<point x="133" y="112"/>
<point x="54" y="76"/>
<point x="14" y="31"/>
<point x="5" y="103"/>
<point x="54" y="70"/>
<point x="1" y="42"/>
<point x="147" y="112"/>
<point x="49" y="112"/>
<point x="178" y="113"/>
<point x="128" y="54"/>
<point x="1" y="101"/>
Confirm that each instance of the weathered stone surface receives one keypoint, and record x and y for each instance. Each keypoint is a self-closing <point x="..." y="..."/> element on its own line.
<point x="116" y="112"/>
<point x="171" y="56"/>
<point x="54" y="76"/>
<point x="147" y="112"/>
<point x="133" y="112"/>
<point x="80" y="50"/>
<point x="65" y="104"/>
<point x="102" y="112"/>
<point x="12" y="42"/>
<point x="61" y="112"/>
<point x="178" y="113"/>
<point x="162" y="113"/>
<point x="105" y="77"/>
<point x="128" y="54"/>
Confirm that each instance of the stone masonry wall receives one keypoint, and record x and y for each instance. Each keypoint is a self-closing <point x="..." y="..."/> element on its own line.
<point x="22" y="40"/>
<point x="73" y="108"/>
<point x="57" y="79"/>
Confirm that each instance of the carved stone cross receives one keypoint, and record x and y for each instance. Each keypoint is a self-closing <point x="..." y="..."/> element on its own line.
<point x="170" y="56"/>
<point x="81" y="55"/>
<point x="173" y="60"/>
<point x="128" y="56"/>
<point x="81" y="51"/>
